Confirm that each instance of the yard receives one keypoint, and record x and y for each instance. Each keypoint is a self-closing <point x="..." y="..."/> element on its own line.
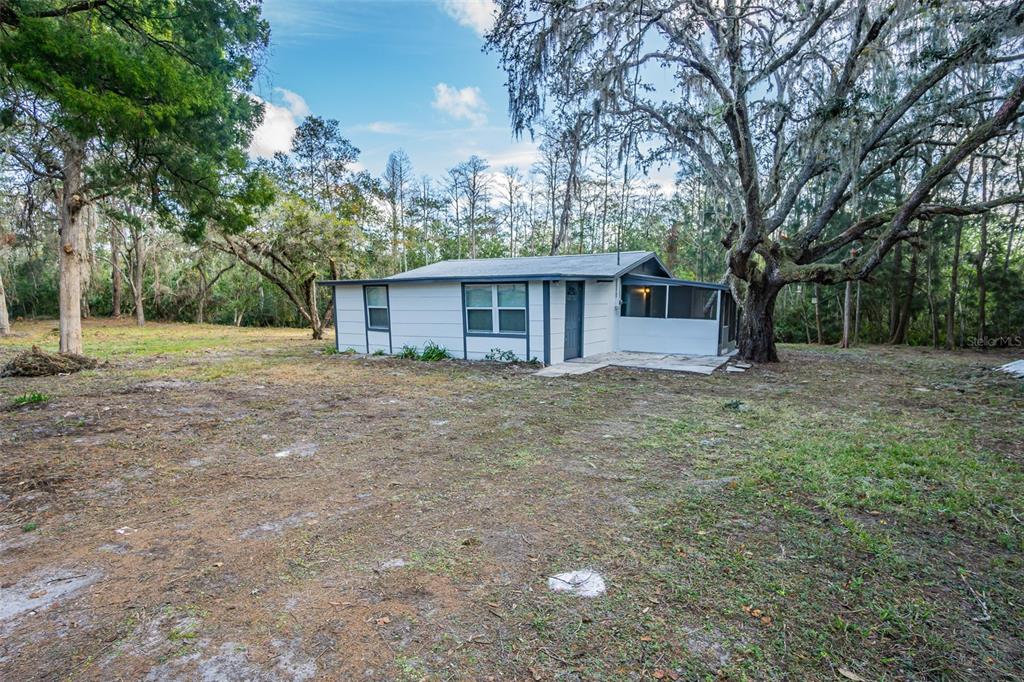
<point x="226" y="503"/>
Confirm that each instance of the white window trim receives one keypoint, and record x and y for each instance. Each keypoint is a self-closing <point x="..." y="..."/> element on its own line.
<point x="496" y="309"/>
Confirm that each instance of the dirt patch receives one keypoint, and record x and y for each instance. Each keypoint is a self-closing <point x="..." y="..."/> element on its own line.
<point x="271" y="512"/>
<point x="39" y="363"/>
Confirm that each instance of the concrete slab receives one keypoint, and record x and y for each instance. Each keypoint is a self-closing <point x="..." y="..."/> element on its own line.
<point x="695" y="364"/>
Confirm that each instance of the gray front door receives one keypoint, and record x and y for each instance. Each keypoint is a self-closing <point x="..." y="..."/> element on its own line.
<point x="573" y="320"/>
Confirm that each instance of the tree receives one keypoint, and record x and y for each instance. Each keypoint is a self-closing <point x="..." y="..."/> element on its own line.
<point x="470" y="178"/>
<point x="5" y="320"/>
<point x="397" y="177"/>
<point x="511" y="187"/>
<point x="150" y="94"/>
<point x="782" y="104"/>
<point x="320" y="204"/>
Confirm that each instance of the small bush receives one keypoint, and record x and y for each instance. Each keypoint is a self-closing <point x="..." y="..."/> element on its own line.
<point x="30" y="399"/>
<point x="409" y="353"/>
<point x="501" y="355"/>
<point x="379" y="351"/>
<point x="433" y="352"/>
<point x="331" y="350"/>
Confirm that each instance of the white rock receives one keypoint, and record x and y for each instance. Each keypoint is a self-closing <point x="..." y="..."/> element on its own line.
<point x="584" y="583"/>
<point x="1015" y="368"/>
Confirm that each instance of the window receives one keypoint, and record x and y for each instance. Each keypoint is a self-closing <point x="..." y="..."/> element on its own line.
<point x="672" y="301"/>
<point x="377" y="316"/>
<point x="496" y="308"/>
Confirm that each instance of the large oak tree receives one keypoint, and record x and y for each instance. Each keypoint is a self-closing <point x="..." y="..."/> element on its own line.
<point x="783" y="104"/>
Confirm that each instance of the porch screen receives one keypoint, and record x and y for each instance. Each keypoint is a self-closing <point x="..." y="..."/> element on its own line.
<point x="671" y="301"/>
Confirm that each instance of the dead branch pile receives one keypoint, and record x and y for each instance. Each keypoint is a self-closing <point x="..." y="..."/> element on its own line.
<point x="39" y="363"/>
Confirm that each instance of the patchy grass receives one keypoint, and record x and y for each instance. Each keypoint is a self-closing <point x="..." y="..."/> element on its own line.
<point x="114" y="339"/>
<point x="32" y="398"/>
<point x="257" y="506"/>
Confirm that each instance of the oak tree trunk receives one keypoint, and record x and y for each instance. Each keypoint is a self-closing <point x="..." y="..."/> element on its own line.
<point x="757" y="325"/>
<point x="72" y="246"/>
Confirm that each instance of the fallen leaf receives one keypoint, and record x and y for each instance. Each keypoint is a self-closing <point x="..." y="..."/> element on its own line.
<point x="383" y="621"/>
<point x="850" y="675"/>
<point x="659" y="674"/>
<point x="535" y="674"/>
<point x="646" y="638"/>
<point x="766" y="620"/>
<point x="756" y="613"/>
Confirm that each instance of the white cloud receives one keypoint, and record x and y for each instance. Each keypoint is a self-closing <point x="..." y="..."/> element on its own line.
<point x="381" y="128"/>
<point x="475" y="14"/>
<point x="275" y="133"/>
<point x="466" y="103"/>
<point x="294" y="102"/>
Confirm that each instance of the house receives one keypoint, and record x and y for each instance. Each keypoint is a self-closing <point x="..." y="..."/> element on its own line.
<point x="548" y="308"/>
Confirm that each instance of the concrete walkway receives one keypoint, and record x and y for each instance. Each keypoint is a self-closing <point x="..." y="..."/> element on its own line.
<point x="697" y="364"/>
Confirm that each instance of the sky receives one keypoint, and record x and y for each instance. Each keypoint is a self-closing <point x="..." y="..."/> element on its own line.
<point x="396" y="74"/>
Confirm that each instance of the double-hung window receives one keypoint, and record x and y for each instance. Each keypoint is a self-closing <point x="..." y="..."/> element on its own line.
<point x="496" y="308"/>
<point x="377" y="317"/>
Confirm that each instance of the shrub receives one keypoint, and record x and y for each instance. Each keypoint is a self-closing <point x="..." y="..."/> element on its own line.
<point x="433" y="352"/>
<point x="500" y="355"/>
<point x="379" y="351"/>
<point x="409" y="353"/>
<point x="30" y="399"/>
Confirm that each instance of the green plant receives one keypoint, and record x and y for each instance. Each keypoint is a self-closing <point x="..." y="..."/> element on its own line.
<point x="331" y="350"/>
<point x="348" y="351"/>
<point x="29" y="527"/>
<point x="33" y="398"/>
<point x="433" y="352"/>
<point x="379" y="351"/>
<point x="501" y="355"/>
<point x="409" y="353"/>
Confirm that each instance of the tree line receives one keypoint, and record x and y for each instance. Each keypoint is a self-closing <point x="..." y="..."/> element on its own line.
<point x="853" y="170"/>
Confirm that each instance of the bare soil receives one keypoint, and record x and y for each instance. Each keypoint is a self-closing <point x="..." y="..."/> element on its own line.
<point x="273" y="511"/>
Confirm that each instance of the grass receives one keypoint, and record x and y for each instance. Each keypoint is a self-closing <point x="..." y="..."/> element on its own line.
<point x="851" y="511"/>
<point x="116" y="339"/>
<point x="33" y="398"/>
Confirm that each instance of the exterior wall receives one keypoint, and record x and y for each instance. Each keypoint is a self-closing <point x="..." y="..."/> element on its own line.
<point x="380" y="342"/>
<point x="426" y="312"/>
<point x="350" y="318"/>
<point x="599" y="309"/>
<point x="659" y="335"/>
<point x="536" y="317"/>
<point x="558" y="322"/>
<point x="478" y="347"/>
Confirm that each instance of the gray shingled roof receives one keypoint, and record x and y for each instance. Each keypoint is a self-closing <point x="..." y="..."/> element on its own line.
<point x="587" y="265"/>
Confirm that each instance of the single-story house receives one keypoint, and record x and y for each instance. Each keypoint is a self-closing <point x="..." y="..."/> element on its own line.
<point x="547" y="308"/>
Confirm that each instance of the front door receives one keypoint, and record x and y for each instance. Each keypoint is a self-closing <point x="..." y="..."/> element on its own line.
<point x="573" y="320"/>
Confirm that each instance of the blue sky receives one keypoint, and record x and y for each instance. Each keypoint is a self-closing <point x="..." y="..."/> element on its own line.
<point x="395" y="74"/>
